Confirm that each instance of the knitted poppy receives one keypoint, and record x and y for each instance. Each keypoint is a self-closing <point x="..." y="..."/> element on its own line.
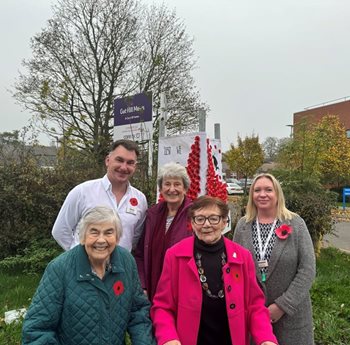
<point x="133" y="202"/>
<point x="283" y="231"/>
<point x="118" y="287"/>
<point x="236" y="275"/>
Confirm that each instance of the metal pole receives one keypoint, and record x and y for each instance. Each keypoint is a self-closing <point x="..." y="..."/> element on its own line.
<point x="163" y="115"/>
<point x="217" y="131"/>
<point x="291" y="130"/>
<point x="201" y="120"/>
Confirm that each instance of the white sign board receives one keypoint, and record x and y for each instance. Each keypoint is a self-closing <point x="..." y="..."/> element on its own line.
<point x="177" y="149"/>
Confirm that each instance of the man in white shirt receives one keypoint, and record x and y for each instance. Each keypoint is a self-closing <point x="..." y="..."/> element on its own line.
<point x="113" y="190"/>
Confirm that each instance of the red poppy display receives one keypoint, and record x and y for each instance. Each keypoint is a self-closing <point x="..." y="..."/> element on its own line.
<point x="133" y="202"/>
<point x="193" y="166"/>
<point x="215" y="187"/>
<point x="283" y="231"/>
<point x="118" y="287"/>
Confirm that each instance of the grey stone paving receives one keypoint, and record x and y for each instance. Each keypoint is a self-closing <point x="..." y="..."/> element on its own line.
<point x="341" y="238"/>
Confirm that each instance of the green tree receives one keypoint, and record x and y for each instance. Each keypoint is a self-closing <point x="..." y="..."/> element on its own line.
<point x="246" y="157"/>
<point x="335" y="155"/>
<point x="317" y="156"/>
<point x="295" y="154"/>
<point x="93" y="51"/>
<point x="319" y="151"/>
<point x="307" y="197"/>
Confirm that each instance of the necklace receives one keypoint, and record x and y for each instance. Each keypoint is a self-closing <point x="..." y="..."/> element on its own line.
<point x="203" y="278"/>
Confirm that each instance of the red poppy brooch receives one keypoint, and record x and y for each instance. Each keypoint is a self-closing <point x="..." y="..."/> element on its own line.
<point x="118" y="287"/>
<point x="133" y="202"/>
<point x="284" y="231"/>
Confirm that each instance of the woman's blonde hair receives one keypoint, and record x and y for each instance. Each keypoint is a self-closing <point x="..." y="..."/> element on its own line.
<point x="282" y="212"/>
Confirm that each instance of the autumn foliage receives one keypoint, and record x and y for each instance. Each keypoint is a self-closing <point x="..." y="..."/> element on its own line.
<point x="319" y="150"/>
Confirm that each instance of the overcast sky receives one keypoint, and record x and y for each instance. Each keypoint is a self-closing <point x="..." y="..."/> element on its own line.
<point x="258" y="61"/>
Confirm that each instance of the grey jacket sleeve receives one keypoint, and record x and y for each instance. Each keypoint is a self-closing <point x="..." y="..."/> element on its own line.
<point x="306" y="270"/>
<point x="237" y="235"/>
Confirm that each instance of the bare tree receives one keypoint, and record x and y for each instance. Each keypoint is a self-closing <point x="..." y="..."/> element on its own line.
<point x="165" y="65"/>
<point x="270" y="146"/>
<point x="95" y="50"/>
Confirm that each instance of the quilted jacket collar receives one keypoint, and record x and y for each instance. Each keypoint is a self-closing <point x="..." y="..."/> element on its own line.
<point x="83" y="267"/>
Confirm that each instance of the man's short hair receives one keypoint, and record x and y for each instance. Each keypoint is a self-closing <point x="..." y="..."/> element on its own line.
<point x="127" y="144"/>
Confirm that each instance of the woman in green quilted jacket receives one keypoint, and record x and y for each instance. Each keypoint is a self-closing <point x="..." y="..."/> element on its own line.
<point x="90" y="294"/>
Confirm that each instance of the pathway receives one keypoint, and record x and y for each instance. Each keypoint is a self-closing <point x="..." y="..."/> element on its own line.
<point x="341" y="238"/>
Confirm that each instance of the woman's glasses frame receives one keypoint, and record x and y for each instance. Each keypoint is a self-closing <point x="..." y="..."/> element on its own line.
<point x="213" y="219"/>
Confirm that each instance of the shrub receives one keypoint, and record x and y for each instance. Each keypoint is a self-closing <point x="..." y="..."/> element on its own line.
<point x="314" y="204"/>
<point x="339" y="192"/>
<point x="32" y="259"/>
<point x="31" y="196"/>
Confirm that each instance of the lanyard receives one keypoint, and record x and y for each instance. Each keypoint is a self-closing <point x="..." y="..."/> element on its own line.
<point x="262" y="251"/>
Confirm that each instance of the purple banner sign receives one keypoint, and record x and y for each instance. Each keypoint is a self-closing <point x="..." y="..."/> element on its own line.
<point x="133" y="109"/>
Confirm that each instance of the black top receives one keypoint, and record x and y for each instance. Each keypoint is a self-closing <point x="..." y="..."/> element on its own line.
<point x="213" y="329"/>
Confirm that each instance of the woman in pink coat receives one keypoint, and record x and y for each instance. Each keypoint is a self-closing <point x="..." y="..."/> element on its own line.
<point x="208" y="293"/>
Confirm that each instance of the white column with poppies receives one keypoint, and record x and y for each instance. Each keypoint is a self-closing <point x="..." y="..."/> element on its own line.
<point x="195" y="152"/>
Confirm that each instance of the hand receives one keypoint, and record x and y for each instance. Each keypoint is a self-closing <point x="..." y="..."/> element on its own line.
<point x="268" y="343"/>
<point x="275" y="312"/>
<point x="145" y="292"/>
<point x="176" y="342"/>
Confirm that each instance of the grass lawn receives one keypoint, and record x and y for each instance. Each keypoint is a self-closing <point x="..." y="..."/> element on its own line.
<point x="330" y="296"/>
<point x="16" y="291"/>
<point x="340" y="204"/>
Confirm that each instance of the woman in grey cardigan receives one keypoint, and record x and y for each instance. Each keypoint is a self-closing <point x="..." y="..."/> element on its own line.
<point x="284" y="259"/>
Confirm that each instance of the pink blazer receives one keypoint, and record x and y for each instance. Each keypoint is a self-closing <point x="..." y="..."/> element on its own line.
<point x="177" y="304"/>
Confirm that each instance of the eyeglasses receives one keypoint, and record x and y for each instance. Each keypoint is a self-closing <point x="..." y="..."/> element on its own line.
<point x="213" y="219"/>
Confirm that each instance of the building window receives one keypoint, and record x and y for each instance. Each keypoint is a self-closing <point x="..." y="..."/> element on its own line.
<point x="348" y="133"/>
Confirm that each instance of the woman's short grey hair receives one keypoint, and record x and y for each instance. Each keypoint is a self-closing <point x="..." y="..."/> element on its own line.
<point x="173" y="170"/>
<point x="98" y="215"/>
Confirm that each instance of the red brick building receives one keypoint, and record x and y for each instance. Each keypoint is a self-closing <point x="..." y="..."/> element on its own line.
<point x="316" y="113"/>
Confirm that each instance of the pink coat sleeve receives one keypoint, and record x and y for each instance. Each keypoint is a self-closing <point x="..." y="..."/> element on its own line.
<point x="164" y="309"/>
<point x="258" y="315"/>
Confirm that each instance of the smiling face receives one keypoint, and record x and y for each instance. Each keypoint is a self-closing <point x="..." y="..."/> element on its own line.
<point x="264" y="195"/>
<point x="173" y="190"/>
<point x="100" y="241"/>
<point x="209" y="233"/>
<point x="121" y="165"/>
